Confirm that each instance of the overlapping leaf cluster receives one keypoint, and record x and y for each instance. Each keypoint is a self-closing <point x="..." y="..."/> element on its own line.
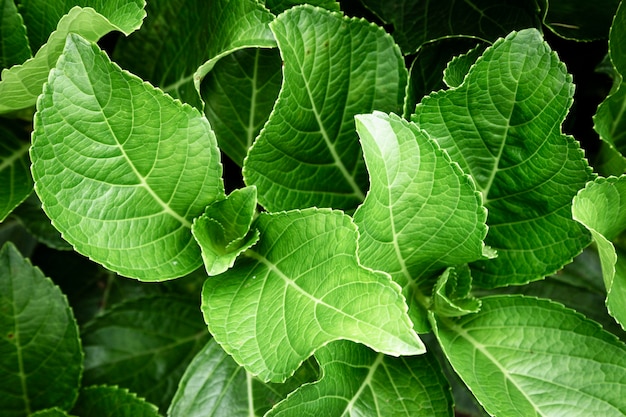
<point x="366" y="210"/>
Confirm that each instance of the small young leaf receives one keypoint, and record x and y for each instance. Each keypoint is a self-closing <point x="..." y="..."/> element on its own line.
<point x="356" y="381"/>
<point x="459" y="66"/>
<point x="523" y="356"/>
<point x="40" y="352"/>
<point x="15" y="180"/>
<point x="14" y="48"/>
<point x="223" y="231"/>
<point x="503" y="126"/>
<point x="121" y="168"/>
<point x="451" y="296"/>
<point x="107" y="401"/>
<point x="311" y="293"/>
<point x="308" y="154"/>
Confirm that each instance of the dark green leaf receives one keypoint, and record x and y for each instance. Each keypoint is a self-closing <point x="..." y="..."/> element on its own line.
<point x="14" y="48"/>
<point x="580" y="19"/>
<point x="15" y="180"/>
<point x="106" y="401"/>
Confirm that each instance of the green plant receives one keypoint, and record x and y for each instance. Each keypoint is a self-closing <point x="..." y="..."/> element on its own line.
<point x="360" y="215"/>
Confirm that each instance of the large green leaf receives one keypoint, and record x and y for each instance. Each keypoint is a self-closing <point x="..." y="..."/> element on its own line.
<point x="40" y="352"/>
<point x="308" y="153"/>
<point x="503" y="126"/>
<point x="524" y="356"/>
<point x="144" y="345"/>
<point x="15" y="180"/>
<point x="211" y="29"/>
<point x="416" y="22"/>
<point x="279" y="6"/>
<point x="580" y="19"/>
<point x="357" y="381"/>
<point x="106" y="401"/>
<point x="121" y="168"/>
<point x="21" y="84"/>
<point x="14" y="48"/>
<point x="601" y="207"/>
<point x="215" y="385"/>
<point x="295" y="292"/>
<point x="422" y="213"/>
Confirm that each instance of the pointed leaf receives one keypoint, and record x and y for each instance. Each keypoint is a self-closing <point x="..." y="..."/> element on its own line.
<point x="40" y="352"/>
<point x="525" y="356"/>
<point x="419" y="206"/>
<point x="601" y="207"/>
<point x="451" y="297"/>
<point x="106" y="401"/>
<point x="308" y="153"/>
<point x="144" y="345"/>
<point x="359" y="382"/>
<point x="503" y="126"/>
<point x="14" y="48"/>
<point x="580" y="19"/>
<point x="121" y="168"/>
<point x="21" y="84"/>
<point x="299" y="288"/>
<point x="15" y="180"/>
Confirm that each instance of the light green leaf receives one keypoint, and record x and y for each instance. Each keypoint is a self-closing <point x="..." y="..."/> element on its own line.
<point x="417" y="22"/>
<point x="239" y="95"/>
<point x="451" y="296"/>
<point x="211" y="29"/>
<point x="459" y="66"/>
<point x="580" y="19"/>
<point x="523" y="356"/>
<point x="311" y="292"/>
<point x="601" y="207"/>
<point x="610" y="119"/>
<point x="106" y="401"/>
<point x="422" y="213"/>
<point x="357" y="381"/>
<point x="279" y="6"/>
<point x="144" y="345"/>
<point x="14" y="48"/>
<point x="215" y="385"/>
<point x="21" y="84"/>
<point x="40" y="352"/>
<point x="121" y="168"/>
<point x="15" y="180"/>
<point x="308" y="153"/>
<point x="503" y="126"/>
<point x="223" y="231"/>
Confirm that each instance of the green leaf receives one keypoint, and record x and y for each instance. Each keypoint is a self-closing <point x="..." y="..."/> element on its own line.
<point x="15" y="180"/>
<point x="211" y="29"/>
<point x="580" y="19"/>
<point x="21" y="84"/>
<point x="105" y="401"/>
<point x="239" y="94"/>
<point x="132" y="170"/>
<point x="451" y="296"/>
<point x="610" y="119"/>
<point x="14" y="48"/>
<point x="422" y="213"/>
<point x="215" y="385"/>
<point x="50" y="412"/>
<point x="524" y="356"/>
<point x="279" y="6"/>
<point x="417" y="22"/>
<point x="308" y="153"/>
<point x="459" y="66"/>
<point x="144" y="345"/>
<point x="223" y="231"/>
<point x="40" y="352"/>
<point x="357" y="381"/>
<point x="601" y="207"/>
<point x="503" y="126"/>
<point x="31" y="215"/>
<point x="311" y="293"/>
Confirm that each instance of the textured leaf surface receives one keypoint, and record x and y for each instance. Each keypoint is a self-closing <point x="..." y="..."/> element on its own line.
<point x="308" y="153"/>
<point x="279" y="6"/>
<point x="15" y="180"/>
<point x="417" y="22"/>
<point x="422" y="212"/>
<point x="459" y="66"/>
<point x="105" y="401"/>
<point x="524" y="357"/>
<point x="215" y="385"/>
<point x="40" y="352"/>
<point x="21" y="84"/>
<point x="357" y="381"/>
<point x="144" y="345"/>
<point x="121" y="168"/>
<point x="14" y="48"/>
<point x="294" y="293"/>
<point x="503" y="126"/>
<point x="601" y="207"/>
<point x="223" y="231"/>
<point x="451" y="296"/>
<point x="579" y="19"/>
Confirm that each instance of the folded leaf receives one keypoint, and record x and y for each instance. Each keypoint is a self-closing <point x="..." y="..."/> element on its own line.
<point x="106" y="401"/>
<point x="451" y="296"/>
<point x="308" y="153"/>
<point x="14" y="48"/>
<point x="503" y="126"/>
<point x="121" y="168"/>
<point x="299" y="288"/>
<point x="523" y="356"/>
<point x="40" y="352"/>
<point x="356" y="381"/>
<point x="15" y="180"/>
